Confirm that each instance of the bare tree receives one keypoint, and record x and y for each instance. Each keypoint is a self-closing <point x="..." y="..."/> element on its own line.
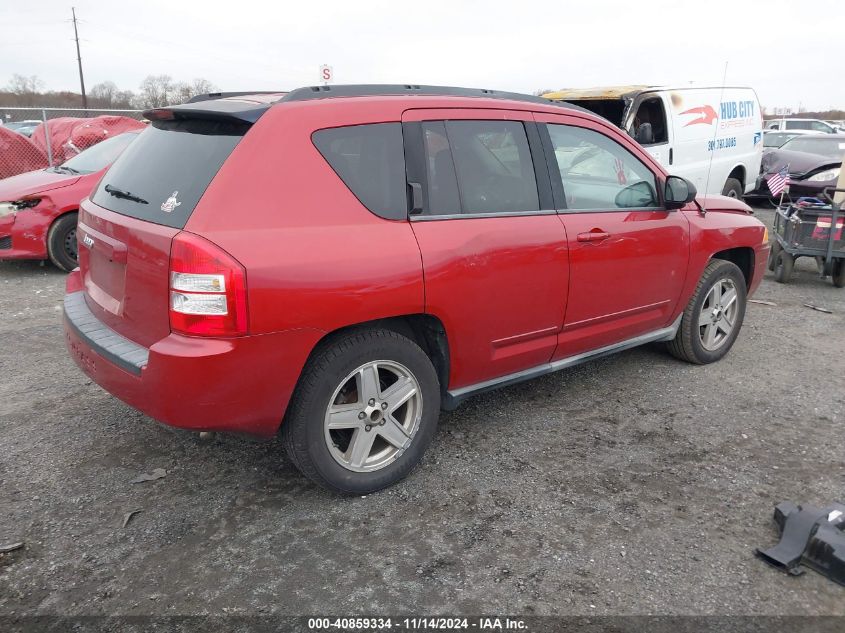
<point x="160" y="90"/>
<point x="21" y="85"/>
<point x="202" y="86"/>
<point x="23" y="90"/>
<point x="156" y="91"/>
<point x="107" y="95"/>
<point x="104" y="92"/>
<point x="181" y="92"/>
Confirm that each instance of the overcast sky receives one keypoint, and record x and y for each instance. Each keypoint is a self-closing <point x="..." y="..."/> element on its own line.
<point x="521" y="46"/>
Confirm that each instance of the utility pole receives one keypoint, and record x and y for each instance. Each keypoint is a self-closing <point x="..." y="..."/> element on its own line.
<point x="79" y="60"/>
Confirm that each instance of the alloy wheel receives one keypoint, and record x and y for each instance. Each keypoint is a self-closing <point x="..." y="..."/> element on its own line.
<point x="718" y="314"/>
<point x="373" y="416"/>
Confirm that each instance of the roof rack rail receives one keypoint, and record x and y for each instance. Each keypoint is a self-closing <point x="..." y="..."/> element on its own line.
<point x="223" y="95"/>
<point x="368" y="90"/>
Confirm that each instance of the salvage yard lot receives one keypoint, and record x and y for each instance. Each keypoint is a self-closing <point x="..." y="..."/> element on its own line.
<point x="632" y="484"/>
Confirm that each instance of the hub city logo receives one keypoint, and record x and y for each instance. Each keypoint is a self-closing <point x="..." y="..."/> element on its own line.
<point x="731" y="114"/>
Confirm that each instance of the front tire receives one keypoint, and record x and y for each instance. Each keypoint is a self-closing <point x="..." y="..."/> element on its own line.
<point x="364" y="412"/>
<point x="61" y="242"/>
<point x="713" y="316"/>
<point x="732" y="188"/>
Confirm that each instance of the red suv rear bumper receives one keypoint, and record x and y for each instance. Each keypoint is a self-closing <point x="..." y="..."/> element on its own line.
<point x="240" y="385"/>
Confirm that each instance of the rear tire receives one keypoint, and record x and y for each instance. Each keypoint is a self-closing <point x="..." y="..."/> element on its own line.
<point x="336" y="405"/>
<point x="61" y="242"/>
<point x="732" y="188"/>
<point x="784" y="263"/>
<point x="837" y="275"/>
<point x="714" y="315"/>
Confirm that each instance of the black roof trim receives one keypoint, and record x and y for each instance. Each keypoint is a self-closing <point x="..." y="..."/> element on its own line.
<point x="371" y="90"/>
<point x="218" y="105"/>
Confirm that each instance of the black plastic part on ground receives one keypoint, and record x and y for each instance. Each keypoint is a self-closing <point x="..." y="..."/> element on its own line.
<point x="810" y="536"/>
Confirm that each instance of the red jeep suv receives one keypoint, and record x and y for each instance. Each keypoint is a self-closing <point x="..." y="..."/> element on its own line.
<point x="344" y="262"/>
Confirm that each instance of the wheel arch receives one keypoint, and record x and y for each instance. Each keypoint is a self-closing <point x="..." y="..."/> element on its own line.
<point x="426" y="330"/>
<point x="743" y="257"/>
<point x="62" y="214"/>
<point x="738" y="173"/>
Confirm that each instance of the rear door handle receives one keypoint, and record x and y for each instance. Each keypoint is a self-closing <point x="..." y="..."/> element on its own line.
<point x="596" y="235"/>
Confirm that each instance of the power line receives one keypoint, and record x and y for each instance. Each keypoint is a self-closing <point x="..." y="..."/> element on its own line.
<point x="79" y="60"/>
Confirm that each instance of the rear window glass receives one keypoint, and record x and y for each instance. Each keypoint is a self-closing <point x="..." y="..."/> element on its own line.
<point x="162" y="175"/>
<point x="370" y="160"/>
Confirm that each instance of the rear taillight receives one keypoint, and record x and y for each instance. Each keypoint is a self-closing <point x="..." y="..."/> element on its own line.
<point x="207" y="289"/>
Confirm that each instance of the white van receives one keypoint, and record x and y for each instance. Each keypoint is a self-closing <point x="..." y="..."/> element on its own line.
<point x="711" y="136"/>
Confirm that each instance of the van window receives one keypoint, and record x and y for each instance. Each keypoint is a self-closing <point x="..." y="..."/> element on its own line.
<point x="164" y="172"/>
<point x="495" y="173"/>
<point x="370" y="160"/>
<point x="651" y="111"/>
<point x="598" y="173"/>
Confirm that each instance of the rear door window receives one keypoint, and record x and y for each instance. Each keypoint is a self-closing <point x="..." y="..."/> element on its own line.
<point x="163" y="174"/>
<point x="370" y="160"/>
<point x="443" y="196"/>
<point x="494" y="169"/>
<point x="478" y="167"/>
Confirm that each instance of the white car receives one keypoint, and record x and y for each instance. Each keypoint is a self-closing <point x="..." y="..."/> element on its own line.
<point x="813" y="125"/>
<point x="711" y="136"/>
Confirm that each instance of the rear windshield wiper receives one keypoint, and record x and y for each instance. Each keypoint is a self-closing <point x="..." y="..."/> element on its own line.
<point x="120" y="193"/>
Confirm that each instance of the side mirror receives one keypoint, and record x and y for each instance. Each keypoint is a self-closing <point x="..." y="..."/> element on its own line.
<point x="678" y="192"/>
<point x="645" y="134"/>
<point x="640" y="195"/>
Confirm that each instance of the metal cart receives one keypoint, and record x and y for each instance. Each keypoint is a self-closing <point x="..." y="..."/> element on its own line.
<point x="810" y="230"/>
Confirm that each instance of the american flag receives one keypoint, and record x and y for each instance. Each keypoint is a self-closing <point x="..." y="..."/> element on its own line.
<point x="777" y="182"/>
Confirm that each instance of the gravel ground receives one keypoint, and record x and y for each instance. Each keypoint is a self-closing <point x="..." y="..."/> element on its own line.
<point x="630" y="485"/>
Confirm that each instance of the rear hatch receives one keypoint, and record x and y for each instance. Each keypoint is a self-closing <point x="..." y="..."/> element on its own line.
<point x="141" y="204"/>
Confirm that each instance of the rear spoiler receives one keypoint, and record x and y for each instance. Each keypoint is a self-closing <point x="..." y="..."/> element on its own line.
<point x="214" y="109"/>
<point x="220" y="106"/>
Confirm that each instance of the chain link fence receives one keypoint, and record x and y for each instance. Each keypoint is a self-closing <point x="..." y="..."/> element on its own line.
<point x="36" y="138"/>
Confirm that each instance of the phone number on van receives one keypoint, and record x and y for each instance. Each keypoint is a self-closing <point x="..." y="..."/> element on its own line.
<point x="721" y="143"/>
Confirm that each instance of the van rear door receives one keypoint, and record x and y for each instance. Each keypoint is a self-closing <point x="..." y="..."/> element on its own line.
<point x="141" y="204"/>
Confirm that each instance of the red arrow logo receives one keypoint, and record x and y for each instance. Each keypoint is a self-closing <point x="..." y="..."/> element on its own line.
<point x="707" y="115"/>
